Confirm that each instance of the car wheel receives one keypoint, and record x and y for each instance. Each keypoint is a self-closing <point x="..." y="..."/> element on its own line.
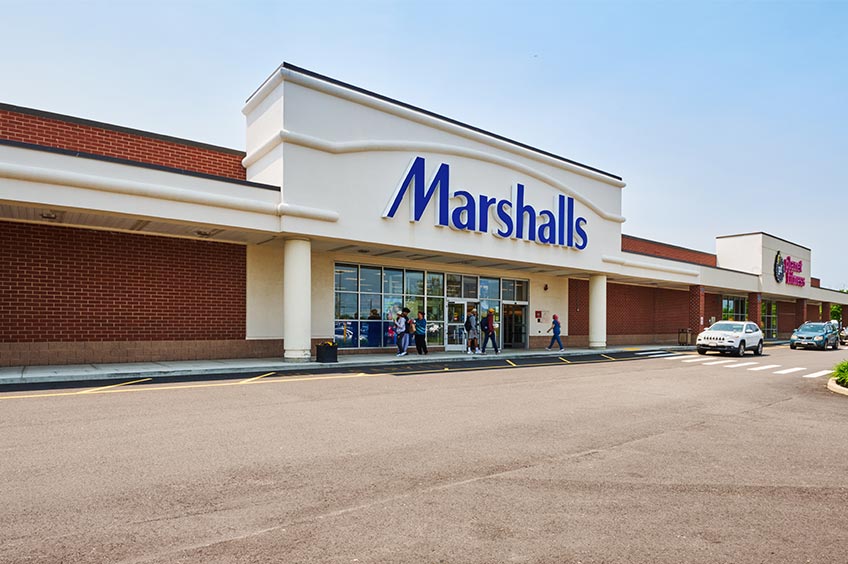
<point x="740" y="350"/>
<point x="792" y="346"/>
<point x="836" y="345"/>
<point x="759" y="350"/>
<point x="702" y="351"/>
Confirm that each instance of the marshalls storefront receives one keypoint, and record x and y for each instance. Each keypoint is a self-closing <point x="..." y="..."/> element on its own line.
<point x="121" y="245"/>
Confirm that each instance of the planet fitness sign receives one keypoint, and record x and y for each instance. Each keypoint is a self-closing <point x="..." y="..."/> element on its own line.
<point x="513" y="218"/>
<point x="789" y="269"/>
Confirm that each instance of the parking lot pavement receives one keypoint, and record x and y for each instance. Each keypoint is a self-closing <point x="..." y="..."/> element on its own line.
<point x="656" y="460"/>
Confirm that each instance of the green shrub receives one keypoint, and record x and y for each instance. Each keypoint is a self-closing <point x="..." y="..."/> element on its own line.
<point x="842" y="374"/>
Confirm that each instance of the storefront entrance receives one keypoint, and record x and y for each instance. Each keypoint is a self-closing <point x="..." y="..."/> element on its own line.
<point x="456" y="314"/>
<point x="514" y="326"/>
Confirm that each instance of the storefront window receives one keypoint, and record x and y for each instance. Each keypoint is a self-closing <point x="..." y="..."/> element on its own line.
<point x="769" y="319"/>
<point x="347" y="334"/>
<point x="509" y="290"/>
<point x="369" y="298"/>
<point x="435" y="284"/>
<point x="392" y="281"/>
<point x="435" y="333"/>
<point x="521" y="292"/>
<point x="392" y="305"/>
<point x="415" y="304"/>
<point x="415" y="283"/>
<point x="490" y="288"/>
<point x="370" y="279"/>
<point x="469" y="286"/>
<point x="346" y="277"/>
<point x="454" y="286"/>
<point x="345" y="305"/>
<point x="370" y="306"/>
<point x="735" y="309"/>
<point x="435" y="309"/>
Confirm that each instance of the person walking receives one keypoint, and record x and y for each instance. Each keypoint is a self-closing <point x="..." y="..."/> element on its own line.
<point x="401" y="331"/>
<point x="556" y="327"/>
<point x="421" y="334"/>
<point x="487" y="326"/>
<point x="473" y="334"/>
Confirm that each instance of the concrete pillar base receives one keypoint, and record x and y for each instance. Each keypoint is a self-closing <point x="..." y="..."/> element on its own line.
<point x="297" y="300"/>
<point x="597" y="311"/>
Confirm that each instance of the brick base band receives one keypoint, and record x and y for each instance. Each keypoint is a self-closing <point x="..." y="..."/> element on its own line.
<point x="99" y="352"/>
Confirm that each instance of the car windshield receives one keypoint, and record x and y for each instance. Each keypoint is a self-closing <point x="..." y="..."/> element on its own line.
<point x="812" y="327"/>
<point x="733" y="327"/>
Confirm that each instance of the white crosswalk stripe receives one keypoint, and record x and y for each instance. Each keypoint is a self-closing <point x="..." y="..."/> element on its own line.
<point x="790" y="370"/>
<point x="650" y="352"/>
<point x="817" y="374"/>
<point x="701" y="359"/>
<point x="664" y="355"/>
<point x="766" y="367"/>
<point x="717" y="362"/>
<point x="741" y="364"/>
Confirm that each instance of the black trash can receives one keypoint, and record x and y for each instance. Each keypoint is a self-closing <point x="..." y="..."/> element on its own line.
<point x="684" y="337"/>
<point x="327" y="352"/>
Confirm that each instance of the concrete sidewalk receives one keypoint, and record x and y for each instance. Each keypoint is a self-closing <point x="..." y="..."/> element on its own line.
<point x="99" y="372"/>
<point x="82" y="372"/>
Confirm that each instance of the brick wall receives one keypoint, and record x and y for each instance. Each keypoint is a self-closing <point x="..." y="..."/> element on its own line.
<point x="640" y="310"/>
<point x="63" y="132"/>
<point x="785" y="318"/>
<point x="813" y="313"/>
<point x="61" y="284"/>
<point x="632" y="244"/>
<point x="712" y="307"/>
<point x="635" y="314"/>
<point x="578" y="307"/>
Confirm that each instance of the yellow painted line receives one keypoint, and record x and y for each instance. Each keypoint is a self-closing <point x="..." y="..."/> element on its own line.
<point x="255" y="378"/>
<point x="609" y="357"/>
<point x="632" y="349"/>
<point x="122" y="388"/>
<point x="511" y="363"/>
<point x="96" y="390"/>
<point x="565" y="360"/>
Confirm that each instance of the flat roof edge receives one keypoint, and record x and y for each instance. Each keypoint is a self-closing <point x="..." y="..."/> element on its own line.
<point x="119" y="129"/>
<point x="260" y="93"/>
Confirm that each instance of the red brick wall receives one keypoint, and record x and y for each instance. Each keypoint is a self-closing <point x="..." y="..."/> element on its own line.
<point x="65" y="284"/>
<point x="712" y="307"/>
<point x="813" y="313"/>
<point x="640" y="310"/>
<point x="632" y="244"/>
<point x="578" y="299"/>
<point x="785" y="318"/>
<point x="815" y="282"/>
<point x="53" y="130"/>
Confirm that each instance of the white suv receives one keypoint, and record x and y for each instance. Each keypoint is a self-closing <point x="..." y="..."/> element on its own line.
<point x="731" y="336"/>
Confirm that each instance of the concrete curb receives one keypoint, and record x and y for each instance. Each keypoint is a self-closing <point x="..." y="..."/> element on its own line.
<point x="90" y="372"/>
<point x="836" y="388"/>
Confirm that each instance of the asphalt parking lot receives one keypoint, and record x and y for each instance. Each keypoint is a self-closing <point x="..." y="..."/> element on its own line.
<point x="667" y="458"/>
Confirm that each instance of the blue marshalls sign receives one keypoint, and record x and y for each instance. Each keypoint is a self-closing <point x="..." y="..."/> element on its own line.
<point x="513" y="218"/>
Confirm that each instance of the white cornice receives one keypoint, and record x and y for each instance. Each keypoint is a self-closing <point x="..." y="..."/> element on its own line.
<point x="160" y="192"/>
<point x="649" y="266"/>
<point x="283" y="74"/>
<point x="411" y="146"/>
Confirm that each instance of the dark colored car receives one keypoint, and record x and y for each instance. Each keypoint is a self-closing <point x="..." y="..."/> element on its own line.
<point x="815" y="335"/>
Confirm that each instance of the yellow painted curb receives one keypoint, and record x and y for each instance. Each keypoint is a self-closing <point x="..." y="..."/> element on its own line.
<point x="836" y="388"/>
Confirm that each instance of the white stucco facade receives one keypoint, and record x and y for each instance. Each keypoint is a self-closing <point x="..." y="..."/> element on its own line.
<point x="337" y="175"/>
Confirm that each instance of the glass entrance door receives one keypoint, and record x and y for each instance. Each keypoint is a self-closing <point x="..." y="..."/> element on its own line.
<point x="457" y="310"/>
<point x="514" y="326"/>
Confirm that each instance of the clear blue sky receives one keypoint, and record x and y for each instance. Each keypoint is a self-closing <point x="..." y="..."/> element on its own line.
<point x="721" y="117"/>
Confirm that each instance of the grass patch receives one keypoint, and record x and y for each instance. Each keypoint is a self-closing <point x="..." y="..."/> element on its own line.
<point x="842" y="374"/>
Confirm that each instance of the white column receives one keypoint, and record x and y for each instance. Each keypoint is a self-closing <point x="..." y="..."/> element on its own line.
<point x="597" y="312"/>
<point x="297" y="299"/>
